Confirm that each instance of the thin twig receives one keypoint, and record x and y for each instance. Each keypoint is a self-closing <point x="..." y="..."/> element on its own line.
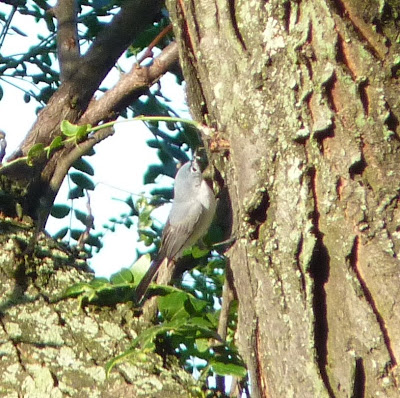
<point x="148" y="52"/>
<point x="7" y="25"/>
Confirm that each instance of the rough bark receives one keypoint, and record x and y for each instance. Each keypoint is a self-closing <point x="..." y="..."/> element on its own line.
<point x="54" y="348"/>
<point x="306" y="93"/>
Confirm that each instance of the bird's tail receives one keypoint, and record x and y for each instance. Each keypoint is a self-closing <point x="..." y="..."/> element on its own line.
<point x="147" y="278"/>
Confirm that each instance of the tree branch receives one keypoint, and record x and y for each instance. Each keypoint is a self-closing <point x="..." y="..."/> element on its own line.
<point x="73" y="96"/>
<point x="78" y="150"/>
<point x="130" y="87"/>
<point x="114" y="40"/>
<point x="148" y="53"/>
<point x="14" y="2"/>
<point x="69" y="156"/>
<point x="68" y="51"/>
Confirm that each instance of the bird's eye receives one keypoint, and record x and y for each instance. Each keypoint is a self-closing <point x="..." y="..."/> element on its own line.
<point x="194" y="168"/>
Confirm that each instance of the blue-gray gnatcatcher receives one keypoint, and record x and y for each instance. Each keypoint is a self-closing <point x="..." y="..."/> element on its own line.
<point x="189" y="219"/>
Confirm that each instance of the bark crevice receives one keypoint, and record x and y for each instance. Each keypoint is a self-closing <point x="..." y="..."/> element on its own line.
<point x="359" y="379"/>
<point x="235" y="26"/>
<point x="319" y="272"/>
<point x="258" y="215"/>
<point x="354" y="264"/>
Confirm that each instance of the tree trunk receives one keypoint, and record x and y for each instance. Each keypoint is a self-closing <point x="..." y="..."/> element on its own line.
<point x="306" y="94"/>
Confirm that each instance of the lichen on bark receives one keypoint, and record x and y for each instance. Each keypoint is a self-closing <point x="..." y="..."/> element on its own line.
<point x="52" y="347"/>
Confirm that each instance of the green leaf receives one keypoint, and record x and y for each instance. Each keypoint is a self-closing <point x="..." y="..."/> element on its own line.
<point x="49" y="22"/>
<point x="140" y="267"/>
<point x="60" y="211"/>
<point x="84" y="166"/>
<point x="197" y="304"/>
<point x="75" y="193"/>
<point x="164" y="192"/>
<point x="195" y="330"/>
<point x="147" y="336"/>
<point x="228" y="369"/>
<point x="161" y="290"/>
<point x="99" y="282"/>
<point x="94" y="240"/>
<point x="82" y="181"/>
<point x="128" y="222"/>
<point x="152" y="173"/>
<point x="82" y="132"/>
<point x="199" y="253"/>
<point x="172" y="306"/>
<point x="76" y="233"/>
<point x="19" y="31"/>
<point x="1" y="93"/>
<point x="144" y="38"/>
<point x="77" y="289"/>
<point x="153" y="143"/>
<point x="95" y="289"/>
<point x="68" y="129"/>
<point x="202" y="344"/>
<point x="131" y="204"/>
<point x="35" y="153"/>
<point x="73" y="130"/>
<point x="55" y="144"/>
<point x="201" y="322"/>
<point x="147" y="233"/>
<point x="81" y="216"/>
<point x="61" y="233"/>
<point x="122" y="277"/>
<point x="147" y="239"/>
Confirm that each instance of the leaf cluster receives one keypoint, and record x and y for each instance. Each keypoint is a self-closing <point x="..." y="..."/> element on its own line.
<point x="188" y="328"/>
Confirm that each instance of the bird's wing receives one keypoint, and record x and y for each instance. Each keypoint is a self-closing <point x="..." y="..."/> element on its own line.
<point x="176" y="236"/>
<point x="178" y="231"/>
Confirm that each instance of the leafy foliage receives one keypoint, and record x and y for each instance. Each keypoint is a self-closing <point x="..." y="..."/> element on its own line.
<point x="189" y="326"/>
<point x="104" y="291"/>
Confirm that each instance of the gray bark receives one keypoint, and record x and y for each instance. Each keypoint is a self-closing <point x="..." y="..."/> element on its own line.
<point x="306" y="95"/>
<point x="54" y="348"/>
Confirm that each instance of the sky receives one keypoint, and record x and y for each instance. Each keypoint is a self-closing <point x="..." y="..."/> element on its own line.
<point x="119" y="163"/>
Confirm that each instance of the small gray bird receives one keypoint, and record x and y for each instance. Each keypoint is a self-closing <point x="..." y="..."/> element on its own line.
<point x="3" y="145"/>
<point x="189" y="219"/>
